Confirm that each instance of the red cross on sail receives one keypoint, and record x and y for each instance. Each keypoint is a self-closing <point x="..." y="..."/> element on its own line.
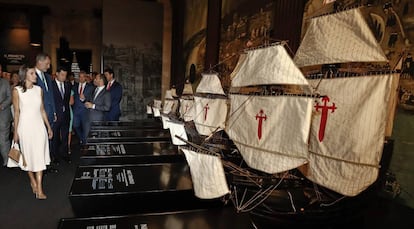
<point x="324" y="117"/>
<point x="206" y="107"/>
<point x="260" y="116"/>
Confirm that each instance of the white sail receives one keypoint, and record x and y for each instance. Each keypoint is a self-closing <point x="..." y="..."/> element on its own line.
<point x="264" y="66"/>
<point x="157" y="103"/>
<point x="338" y="38"/>
<point x="157" y="107"/>
<point x="168" y="94"/>
<point x="165" y="119"/>
<point x="271" y="132"/>
<point x="188" y="89"/>
<point x="347" y="133"/>
<point x="149" y="109"/>
<point x="207" y="174"/>
<point x="210" y="114"/>
<point x="187" y="109"/>
<point x="177" y="129"/>
<point x="157" y="112"/>
<point x="170" y="105"/>
<point x="174" y="92"/>
<point x="210" y="83"/>
<point x="242" y="58"/>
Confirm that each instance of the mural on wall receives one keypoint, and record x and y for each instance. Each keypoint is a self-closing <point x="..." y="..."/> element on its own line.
<point x="194" y="38"/>
<point x="392" y="22"/>
<point x="245" y="24"/>
<point x="134" y="55"/>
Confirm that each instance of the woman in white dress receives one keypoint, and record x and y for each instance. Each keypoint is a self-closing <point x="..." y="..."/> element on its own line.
<point x="31" y="128"/>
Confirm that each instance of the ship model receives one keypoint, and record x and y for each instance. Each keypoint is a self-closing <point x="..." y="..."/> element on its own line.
<point x="296" y="141"/>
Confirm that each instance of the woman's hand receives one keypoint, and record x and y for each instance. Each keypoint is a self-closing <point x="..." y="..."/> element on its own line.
<point x="15" y="137"/>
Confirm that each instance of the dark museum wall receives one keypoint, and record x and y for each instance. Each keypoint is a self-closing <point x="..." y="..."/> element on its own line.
<point x="134" y="55"/>
<point x="79" y="22"/>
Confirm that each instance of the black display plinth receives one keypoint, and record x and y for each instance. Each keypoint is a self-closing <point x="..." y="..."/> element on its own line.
<point x="216" y="218"/>
<point x="142" y="135"/>
<point x="128" y="189"/>
<point x="138" y="153"/>
<point x="123" y="125"/>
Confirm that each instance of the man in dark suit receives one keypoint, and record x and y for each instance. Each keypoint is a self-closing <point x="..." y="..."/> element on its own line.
<point x="61" y="92"/>
<point x="44" y="80"/>
<point x="82" y="90"/>
<point x="100" y="101"/>
<point x="115" y="89"/>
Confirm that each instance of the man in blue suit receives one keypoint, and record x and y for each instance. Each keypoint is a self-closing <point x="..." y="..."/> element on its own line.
<point x="82" y="90"/>
<point x="61" y="92"/>
<point x="44" y="80"/>
<point x="115" y="89"/>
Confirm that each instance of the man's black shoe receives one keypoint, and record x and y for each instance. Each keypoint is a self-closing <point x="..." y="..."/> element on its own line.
<point x="51" y="170"/>
<point x="54" y="163"/>
<point x="67" y="159"/>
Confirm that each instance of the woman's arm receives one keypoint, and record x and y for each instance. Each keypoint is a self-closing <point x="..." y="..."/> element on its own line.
<point x="15" y="100"/>
<point x="71" y="98"/>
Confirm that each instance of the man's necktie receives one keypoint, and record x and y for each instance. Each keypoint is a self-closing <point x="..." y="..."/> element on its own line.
<point x="95" y="93"/>
<point x="80" y="89"/>
<point x="61" y="89"/>
<point x="62" y="93"/>
<point x="44" y="81"/>
<point x="109" y="86"/>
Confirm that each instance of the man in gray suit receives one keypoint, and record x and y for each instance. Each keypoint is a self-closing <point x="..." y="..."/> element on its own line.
<point x="100" y="101"/>
<point x="5" y="117"/>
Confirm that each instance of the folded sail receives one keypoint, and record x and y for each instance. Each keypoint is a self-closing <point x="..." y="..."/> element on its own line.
<point x="347" y="132"/>
<point x="338" y="38"/>
<point x="265" y="66"/>
<point x="210" y="114"/>
<point x="271" y="132"/>
<point x="207" y="174"/>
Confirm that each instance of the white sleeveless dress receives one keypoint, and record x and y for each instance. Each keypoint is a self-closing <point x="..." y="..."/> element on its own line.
<point x="33" y="137"/>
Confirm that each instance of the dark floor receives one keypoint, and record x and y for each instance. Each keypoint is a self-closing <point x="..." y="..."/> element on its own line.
<point x="20" y="209"/>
